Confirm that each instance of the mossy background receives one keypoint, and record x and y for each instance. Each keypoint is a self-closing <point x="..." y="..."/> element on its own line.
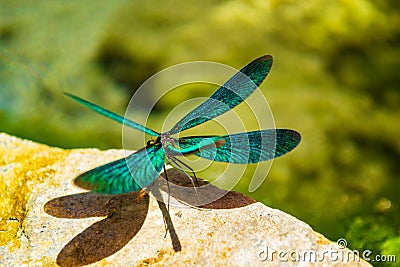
<point x="335" y="79"/>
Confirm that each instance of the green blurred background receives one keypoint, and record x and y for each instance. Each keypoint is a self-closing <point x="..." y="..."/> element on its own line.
<point x="335" y="79"/>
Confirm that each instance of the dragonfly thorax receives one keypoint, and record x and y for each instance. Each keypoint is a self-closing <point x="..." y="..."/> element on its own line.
<point x="167" y="140"/>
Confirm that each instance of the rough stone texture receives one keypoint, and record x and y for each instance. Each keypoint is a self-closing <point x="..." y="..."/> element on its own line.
<point x="47" y="220"/>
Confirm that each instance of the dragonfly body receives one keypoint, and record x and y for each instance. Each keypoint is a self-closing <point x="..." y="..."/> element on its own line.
<point x="141" y="168"/>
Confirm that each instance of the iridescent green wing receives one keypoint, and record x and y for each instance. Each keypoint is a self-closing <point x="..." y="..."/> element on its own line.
<point x="112" y="115"/>
<point x="125" y="175"/>
<point x="229" y="95"/>
<point x="193" y="146"/>
<point x="244" y="148"/>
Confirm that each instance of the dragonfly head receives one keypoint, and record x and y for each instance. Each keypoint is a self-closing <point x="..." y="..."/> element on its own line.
<point x="153" y="142"/>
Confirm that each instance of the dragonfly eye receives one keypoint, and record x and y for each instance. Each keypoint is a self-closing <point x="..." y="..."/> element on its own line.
<point x="153" y="142"/>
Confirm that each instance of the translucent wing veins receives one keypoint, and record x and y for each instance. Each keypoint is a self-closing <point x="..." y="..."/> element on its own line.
<point x="125" y="175"/>
<point x="229" y="95"/>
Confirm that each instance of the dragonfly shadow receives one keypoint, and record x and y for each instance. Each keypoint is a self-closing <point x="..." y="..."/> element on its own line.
<point x="205" y="196"/>
<point x="125" y="216"/>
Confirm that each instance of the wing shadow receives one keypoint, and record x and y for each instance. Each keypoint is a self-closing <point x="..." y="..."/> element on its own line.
<point x="205" y="196"/>
<point x="126" y="214"/>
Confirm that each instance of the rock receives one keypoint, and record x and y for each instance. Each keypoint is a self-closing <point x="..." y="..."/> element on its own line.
<point x="47" y="220"/>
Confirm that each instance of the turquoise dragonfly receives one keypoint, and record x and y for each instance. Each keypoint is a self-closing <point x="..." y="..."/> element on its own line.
<point x="142" y="167"/>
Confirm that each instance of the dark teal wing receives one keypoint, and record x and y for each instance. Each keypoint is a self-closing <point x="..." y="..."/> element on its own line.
<point x="192" y="146"/>
<point x="125" y="175"/>
<point x="244" y="148"/>
<point x="229" y="95"/>
<point x="112" y="115"/>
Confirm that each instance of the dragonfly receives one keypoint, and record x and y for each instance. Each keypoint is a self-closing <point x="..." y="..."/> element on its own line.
<point x="141" y="168"/>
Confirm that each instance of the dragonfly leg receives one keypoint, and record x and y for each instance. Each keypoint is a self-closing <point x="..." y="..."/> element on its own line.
<point x="187" y="166"/>
<point x="168" y="189"/>
<point x="175" y="161"/>
<point x="169" y="198"/>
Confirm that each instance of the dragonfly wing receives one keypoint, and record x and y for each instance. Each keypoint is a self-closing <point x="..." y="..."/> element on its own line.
<point x="112" y="115"/>
<point x="250" y="147"/>
<point x="229" y="95"/>
<point x="125" y="175"/>
<point x="192" y="145"/>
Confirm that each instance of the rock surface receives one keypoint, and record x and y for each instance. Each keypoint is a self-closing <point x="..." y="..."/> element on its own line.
<point x="45" y="220"/>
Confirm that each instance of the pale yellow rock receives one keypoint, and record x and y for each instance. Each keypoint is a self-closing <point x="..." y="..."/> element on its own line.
<point x="22" y="165"/>
<point x="57" y="222"/>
